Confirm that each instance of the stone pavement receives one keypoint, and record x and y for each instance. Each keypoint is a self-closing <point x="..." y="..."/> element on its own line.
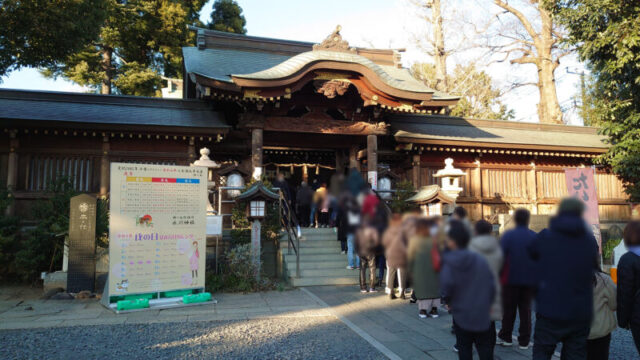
<point x="391" y="327"/>
<point x="395" y="324"/>
<point x="21" y="313"/>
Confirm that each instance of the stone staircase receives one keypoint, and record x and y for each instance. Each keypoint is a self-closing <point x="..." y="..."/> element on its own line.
<point x="321" y="261"/>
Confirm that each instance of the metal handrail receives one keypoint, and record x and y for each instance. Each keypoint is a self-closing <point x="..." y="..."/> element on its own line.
<point x="291" y="225"/>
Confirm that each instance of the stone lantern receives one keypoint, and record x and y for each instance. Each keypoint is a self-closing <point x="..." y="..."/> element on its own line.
<point x="450" y="179"/>
<point x="205" y="161"/>
<point x="257" y="196"/>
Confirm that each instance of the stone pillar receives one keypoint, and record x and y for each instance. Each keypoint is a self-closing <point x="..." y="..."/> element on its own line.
<point x="353" y="158"/>
<point x="417" y="171"/>
<point x="256" y="152"/>
<point x="105" y="167"/>
<point x="372" y="161"/>
<point x="12" y="168"/>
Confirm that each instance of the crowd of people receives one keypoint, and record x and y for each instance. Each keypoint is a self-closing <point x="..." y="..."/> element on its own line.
<point x="449" y="263"/>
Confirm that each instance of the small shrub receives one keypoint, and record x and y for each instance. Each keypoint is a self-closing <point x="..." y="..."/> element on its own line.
<point x="608" y="246"/>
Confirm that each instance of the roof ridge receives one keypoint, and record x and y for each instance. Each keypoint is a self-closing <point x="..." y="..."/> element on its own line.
<point x="120" y="100"/>
<point x="505" y="124"/>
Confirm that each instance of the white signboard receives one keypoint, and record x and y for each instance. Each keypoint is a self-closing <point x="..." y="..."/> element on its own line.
<point x="214" y="225"/>
<point x="157" y="228"/>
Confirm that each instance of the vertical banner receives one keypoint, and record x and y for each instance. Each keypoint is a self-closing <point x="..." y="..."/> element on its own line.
<point x="581" y="184"/>
<point x="157" y="228"/>
<point x="372" y="177"/>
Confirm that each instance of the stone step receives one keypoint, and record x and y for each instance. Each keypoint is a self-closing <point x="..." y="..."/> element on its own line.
<point x="313" y="250"/>
<point x="310" y="265"/>
<point x="333" y="244"/>
<point x="316" y="257"/>
<point x="324" y="280"/>
<point x="342" y="271"/>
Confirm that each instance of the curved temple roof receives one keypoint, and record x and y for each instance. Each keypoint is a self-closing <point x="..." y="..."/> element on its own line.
<point x="295" y="64"/>
<point x="247" y="62"/>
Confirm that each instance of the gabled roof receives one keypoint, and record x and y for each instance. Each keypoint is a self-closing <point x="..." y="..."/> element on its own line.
<point x="254" y="67"/>
<point x="430" y="193"/>
<point x="219" y="64"/>
<point x="258" y="188"/>
<point x="296" y="63"/>
<point x="452" y="131"/>
<point x="40" y="107"/>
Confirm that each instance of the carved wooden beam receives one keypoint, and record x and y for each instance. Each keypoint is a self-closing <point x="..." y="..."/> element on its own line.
<point x="323" y="126"/>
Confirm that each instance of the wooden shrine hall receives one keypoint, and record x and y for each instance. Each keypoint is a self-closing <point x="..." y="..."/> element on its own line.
<point x="265" y="105"/>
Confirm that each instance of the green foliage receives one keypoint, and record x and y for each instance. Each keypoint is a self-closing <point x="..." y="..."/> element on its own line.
<point x="24" y="254"/>
<point x="480" y="99"/>
<point x="404" y="190"/>
<point x="35" y="33"/>
<point x="238" y="273"/>
<point x="137" y="42"/>
<point x="241" y="234"/>
<point x="607" y="248"/>
<point x="43" y="246"/>
<point x="607" y="35"/>
<point x="227" y="16"/>
<point x="9" y="239"/>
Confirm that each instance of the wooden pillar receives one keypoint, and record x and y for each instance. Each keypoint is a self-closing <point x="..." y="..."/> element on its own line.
<point x="256" y="152"/>
<point x="12" y="168"/>
<point x="372" y="161"/>
<point x="191" y="150"/>
<point x="476" y="187"/>
<point x="353" y="158"/>
<point x="339" y="161"/>
<point x="532" y="185"/>
<point x="417" y="171"/>
<point x="105" y="167"/>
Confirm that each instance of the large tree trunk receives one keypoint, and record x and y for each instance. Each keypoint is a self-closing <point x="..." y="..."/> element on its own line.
<point x="439" y="51"/>
<point x="107" y="69"/>
<point x="549" y="109"/>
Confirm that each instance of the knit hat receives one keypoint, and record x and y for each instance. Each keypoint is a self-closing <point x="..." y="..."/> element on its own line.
<point x="571" y="205"/>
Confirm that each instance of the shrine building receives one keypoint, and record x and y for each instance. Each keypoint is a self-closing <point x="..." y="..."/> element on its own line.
<point x="265" y="105"/>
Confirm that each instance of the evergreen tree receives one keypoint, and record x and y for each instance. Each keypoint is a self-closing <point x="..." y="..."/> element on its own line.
<point x="227" y="16"/>
<point x="138" y="41"/>
<point x="607" y="33"/>
<point x="36" y="33"/>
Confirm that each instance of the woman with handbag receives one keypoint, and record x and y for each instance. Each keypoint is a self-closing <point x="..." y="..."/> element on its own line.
<point x="424" y="263"/>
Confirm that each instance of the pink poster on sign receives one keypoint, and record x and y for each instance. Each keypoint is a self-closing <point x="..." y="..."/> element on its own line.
<point x="581" y="184"/>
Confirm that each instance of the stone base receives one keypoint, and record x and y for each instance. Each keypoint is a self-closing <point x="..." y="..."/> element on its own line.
<point x="55" y="280"/>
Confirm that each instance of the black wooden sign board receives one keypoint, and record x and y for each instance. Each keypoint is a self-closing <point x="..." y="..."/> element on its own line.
<point x="81" y="270"/>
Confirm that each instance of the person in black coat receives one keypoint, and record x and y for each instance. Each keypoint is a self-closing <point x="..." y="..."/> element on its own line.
<point x="628" y="310"/>
<point x="563" y="256"/>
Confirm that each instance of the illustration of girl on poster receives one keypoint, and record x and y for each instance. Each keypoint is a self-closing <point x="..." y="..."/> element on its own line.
<point x="194" y="260"/>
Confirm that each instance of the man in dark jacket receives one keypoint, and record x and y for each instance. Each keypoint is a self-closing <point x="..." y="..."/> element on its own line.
<point x="304" y="198"/>
<point x="564" y="255"/>
<point x="468" y="288"/>
<point x="517" y="292"/>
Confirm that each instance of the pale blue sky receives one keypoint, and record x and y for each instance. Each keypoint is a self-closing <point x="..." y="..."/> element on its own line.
<point x="378" y="23"/>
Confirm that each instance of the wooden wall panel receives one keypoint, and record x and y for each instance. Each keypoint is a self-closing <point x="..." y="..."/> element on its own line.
<point x="551" y="185"/>
<point x="508" y="184"/>
<point x="614" y="212"/>
<point x="609" y="187"/>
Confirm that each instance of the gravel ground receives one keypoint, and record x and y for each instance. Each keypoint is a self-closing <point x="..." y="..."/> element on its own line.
<point x="621" y="347"/>
<point x="274" y="338"/>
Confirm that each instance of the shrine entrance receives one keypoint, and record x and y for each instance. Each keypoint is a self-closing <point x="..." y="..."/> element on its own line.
<point x="314" y="166"/>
